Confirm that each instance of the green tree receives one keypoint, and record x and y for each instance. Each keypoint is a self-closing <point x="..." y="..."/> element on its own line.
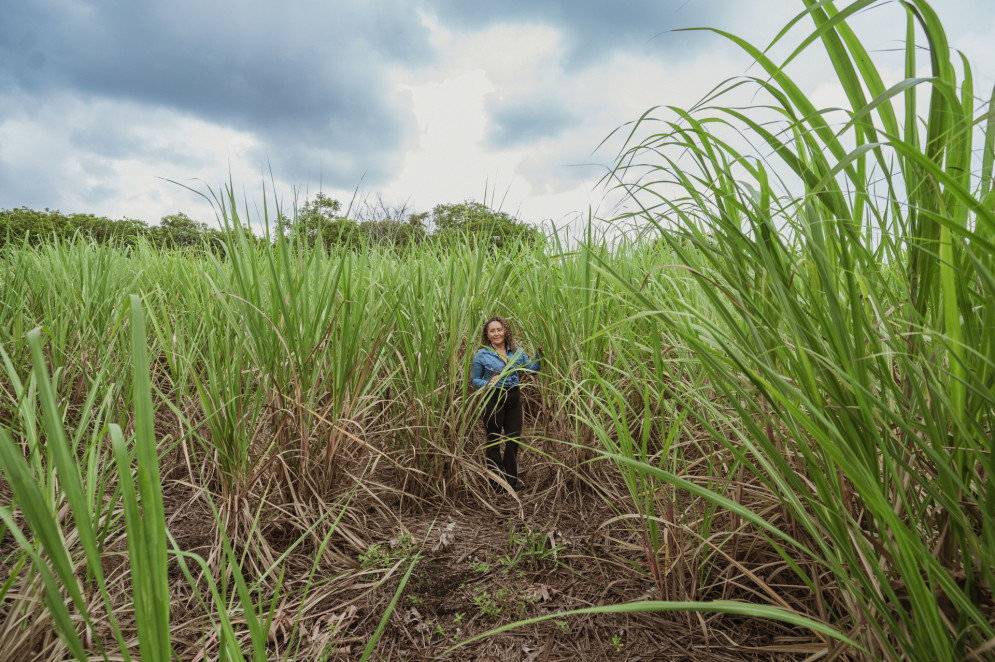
<point x="341" y="232"/>
<point x="317" y="219"/>
<point x="179" y="230"/>
<point x="475" y="219"/>
<point x="38" y="227"/>
<point x="102" y="230"/>
<point x="395" y="227"/>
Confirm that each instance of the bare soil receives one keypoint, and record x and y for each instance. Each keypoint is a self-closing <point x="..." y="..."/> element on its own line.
<point x="475" y="584"/>
<point x="482" y="561"/>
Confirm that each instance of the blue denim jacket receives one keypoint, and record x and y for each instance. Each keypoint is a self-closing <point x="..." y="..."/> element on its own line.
<point x="488" y="363"/>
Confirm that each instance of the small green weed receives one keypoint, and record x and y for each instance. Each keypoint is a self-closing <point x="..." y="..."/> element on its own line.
<point x="404" y="546"/>
<point x="530" y="547"/>
<point x="374" y="557"/>
<point x="380" y="556"/>
<point x="488" y="605"/>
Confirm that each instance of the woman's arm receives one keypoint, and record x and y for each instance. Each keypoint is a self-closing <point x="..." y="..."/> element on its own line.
<point x="477" y="373"/>
<point x="527" y="365"/>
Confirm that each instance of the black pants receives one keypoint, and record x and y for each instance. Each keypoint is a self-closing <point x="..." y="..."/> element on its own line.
<point x="503" y="420"/>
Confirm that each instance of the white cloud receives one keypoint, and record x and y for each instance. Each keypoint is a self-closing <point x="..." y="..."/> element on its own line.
<point x="555" y="175"/>
<point x="112" y="157"/>
<point x="506" y="108"/>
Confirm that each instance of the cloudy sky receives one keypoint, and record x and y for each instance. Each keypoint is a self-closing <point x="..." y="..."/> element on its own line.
<point x="105" y="103"/>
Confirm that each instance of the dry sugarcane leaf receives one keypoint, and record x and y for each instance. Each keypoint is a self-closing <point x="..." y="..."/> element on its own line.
<point x="531" y="652"/>
<point x="412" y="615"/>
<point x="446" y="538"/>
<point x="540" y="593"/>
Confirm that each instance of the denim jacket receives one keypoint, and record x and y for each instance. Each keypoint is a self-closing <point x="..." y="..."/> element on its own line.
<point x="488" y="363"/>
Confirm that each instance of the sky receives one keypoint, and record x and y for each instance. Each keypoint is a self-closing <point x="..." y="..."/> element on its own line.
<point x="139" y="110"/>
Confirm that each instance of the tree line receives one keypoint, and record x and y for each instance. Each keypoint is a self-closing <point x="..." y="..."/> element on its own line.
<point x="320" y="221"/>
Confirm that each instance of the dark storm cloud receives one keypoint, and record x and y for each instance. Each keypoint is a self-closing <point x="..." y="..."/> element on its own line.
<point x="296" y="73"/>
<point x="593" y="28"/>
<point x="518" y="124"/>
<point x="20" y="186"/>
<point x="307" y="78"/>
<point x="106" y="139"/>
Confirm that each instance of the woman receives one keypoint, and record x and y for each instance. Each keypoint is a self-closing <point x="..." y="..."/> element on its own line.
<point x="496" y="367"/>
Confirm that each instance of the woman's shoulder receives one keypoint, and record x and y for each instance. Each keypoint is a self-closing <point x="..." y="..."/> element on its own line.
<point x="481" y="352"/>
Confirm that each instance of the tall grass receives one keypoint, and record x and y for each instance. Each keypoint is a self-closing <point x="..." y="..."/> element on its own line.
<point x="847" y="323"/>
<point x="61" y="473"/>
<point x="791" y="382"/>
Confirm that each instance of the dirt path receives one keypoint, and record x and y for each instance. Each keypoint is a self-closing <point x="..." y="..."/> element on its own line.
<point x="480" y="570"/>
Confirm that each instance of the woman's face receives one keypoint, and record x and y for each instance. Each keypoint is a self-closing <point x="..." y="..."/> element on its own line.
<point x="495" y="333"/>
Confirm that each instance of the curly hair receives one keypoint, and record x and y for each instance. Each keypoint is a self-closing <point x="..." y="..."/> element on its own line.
<point x="509" y="339"/>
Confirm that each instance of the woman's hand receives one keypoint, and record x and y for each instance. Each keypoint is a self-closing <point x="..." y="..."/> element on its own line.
<point x="493" y="379"/>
